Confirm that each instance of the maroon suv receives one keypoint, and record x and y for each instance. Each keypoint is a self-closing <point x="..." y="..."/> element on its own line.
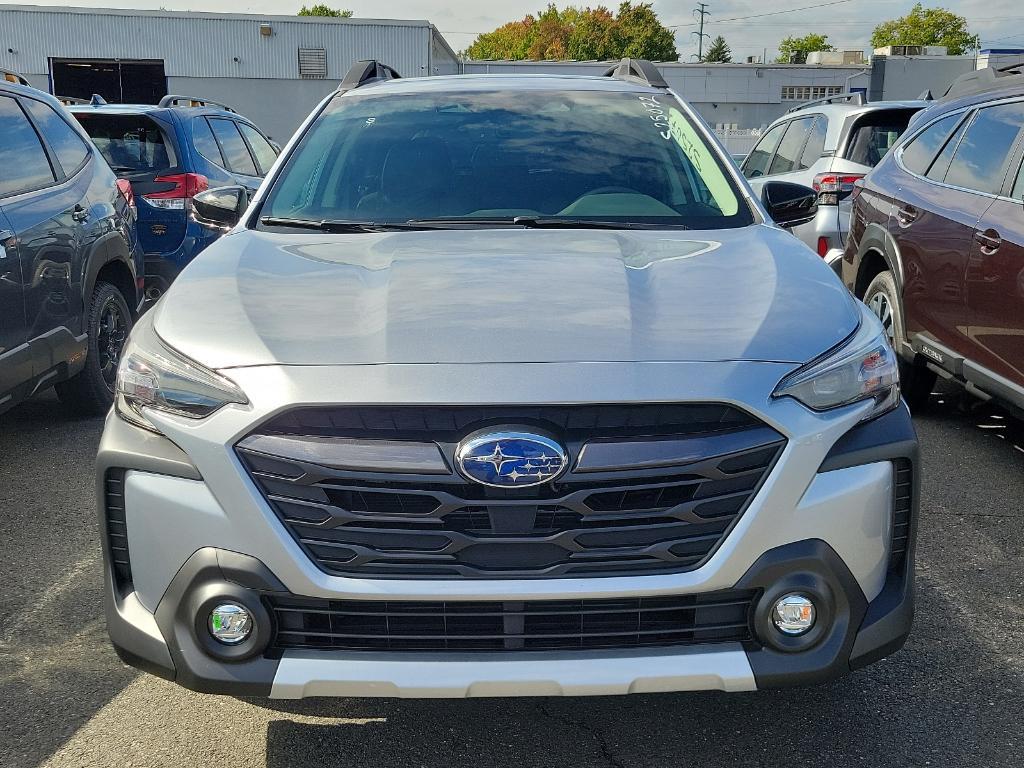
<point x="936" y="246"/>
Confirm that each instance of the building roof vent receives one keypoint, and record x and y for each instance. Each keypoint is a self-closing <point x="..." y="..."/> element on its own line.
<point x="313" y="63"/>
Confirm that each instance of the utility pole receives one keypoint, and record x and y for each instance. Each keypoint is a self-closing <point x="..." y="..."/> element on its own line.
<point x="701" y="12"/>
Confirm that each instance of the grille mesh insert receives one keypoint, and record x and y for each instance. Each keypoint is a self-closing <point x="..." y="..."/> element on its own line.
<point x="624" y="519"/>
<point x="714" y="617"/>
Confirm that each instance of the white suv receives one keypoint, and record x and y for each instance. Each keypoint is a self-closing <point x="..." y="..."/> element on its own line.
<point x="828" y="145"/>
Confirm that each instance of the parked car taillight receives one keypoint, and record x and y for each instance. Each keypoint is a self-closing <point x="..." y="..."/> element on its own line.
<point x="833" y="187"/>
<point x="186" y="186"/>
<point x="125" y="188"/>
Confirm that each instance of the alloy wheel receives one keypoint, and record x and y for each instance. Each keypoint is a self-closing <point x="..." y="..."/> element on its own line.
<point x="110" y="339"/>
<point x="881" y="308"/>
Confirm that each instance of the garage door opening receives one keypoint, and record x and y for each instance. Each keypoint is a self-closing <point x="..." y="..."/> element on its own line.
<point x="119" y="82"/>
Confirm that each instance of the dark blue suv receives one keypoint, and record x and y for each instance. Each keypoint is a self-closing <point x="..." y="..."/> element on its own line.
<point x="70" y="268"/>
<point x="169" y="152"/>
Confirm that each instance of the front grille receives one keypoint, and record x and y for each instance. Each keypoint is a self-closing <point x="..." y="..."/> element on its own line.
<point x="714" y="617"/>
<point x="903" y="494"/>
<point x="618" y="520"/>
<point x="116" y="529"/>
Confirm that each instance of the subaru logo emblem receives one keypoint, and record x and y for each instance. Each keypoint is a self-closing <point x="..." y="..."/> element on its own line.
<point x="510" y="459"/>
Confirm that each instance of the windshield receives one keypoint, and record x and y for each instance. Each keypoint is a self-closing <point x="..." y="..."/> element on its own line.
<point x="497" y="155"/>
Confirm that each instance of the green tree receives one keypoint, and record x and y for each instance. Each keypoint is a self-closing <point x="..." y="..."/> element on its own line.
<point x="325" y="10"/>
<point x="927" y="26"/>
<point x="719" y="52"/>
<point x="581" y="34"/>
<point x="795" y="49"/>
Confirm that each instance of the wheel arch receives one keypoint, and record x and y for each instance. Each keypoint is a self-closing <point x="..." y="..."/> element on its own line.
<point x="877" y="253"/>
<point x="113" y="263"/>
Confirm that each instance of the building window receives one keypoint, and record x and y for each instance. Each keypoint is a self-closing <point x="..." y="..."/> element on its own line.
<point x="313" y="63"/>
<point x="809" y="92"/>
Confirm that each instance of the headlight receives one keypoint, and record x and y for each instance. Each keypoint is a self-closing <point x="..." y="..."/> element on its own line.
<point x="865" y="368"/>
<point x="151" y="375"/>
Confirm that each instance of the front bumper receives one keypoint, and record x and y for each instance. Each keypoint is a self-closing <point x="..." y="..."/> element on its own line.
<point x="822" y="523"/>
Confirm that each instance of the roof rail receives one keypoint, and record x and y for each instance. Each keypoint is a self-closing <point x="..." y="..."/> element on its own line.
<point x="11" y="76"/>
<point x="69" y="101"/>
<point x="856" y="97"/>
<point x="637" y="71"/>
<point x="981" y="80"/>
<point x="367" y="71"/>
<point x="172" y="100"/>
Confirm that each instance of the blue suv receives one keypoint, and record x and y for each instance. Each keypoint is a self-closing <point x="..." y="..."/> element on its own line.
<point x="170" y="152"/>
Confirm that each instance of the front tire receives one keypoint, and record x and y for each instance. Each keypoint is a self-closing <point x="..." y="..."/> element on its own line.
<point x="883" y="299"/>
<point x="108" y="322"/>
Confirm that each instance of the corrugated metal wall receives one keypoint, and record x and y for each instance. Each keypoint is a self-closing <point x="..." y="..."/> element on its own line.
<point x="205" y="45"/>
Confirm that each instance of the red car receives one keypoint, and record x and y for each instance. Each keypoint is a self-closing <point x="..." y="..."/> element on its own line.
<point x="936" y="247"/>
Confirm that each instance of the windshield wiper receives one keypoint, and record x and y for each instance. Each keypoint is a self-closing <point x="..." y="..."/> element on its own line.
<point x="340" y="226"/>
<point x="542" y="222"/>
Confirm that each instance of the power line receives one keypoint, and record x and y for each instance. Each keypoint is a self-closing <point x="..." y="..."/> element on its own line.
<point x="760" y="15"/>
<point x="703" y="11"/>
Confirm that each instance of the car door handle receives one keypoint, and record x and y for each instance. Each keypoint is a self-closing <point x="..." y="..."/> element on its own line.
<point x="907" y="215"/>
<point x="79" y="213"/>
<point x="989" y="240"/>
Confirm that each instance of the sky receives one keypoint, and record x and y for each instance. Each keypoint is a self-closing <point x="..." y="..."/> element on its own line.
<point x="848" y="23"/>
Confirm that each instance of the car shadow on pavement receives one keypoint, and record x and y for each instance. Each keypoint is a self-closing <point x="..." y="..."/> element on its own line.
<point x="944" y="700"/>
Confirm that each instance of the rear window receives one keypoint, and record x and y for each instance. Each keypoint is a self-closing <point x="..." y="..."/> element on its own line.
<point x="875" y="134"/>
<point x="130" y="143"/>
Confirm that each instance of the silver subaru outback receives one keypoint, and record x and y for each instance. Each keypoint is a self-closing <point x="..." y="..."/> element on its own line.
<point x="506" y="386"/>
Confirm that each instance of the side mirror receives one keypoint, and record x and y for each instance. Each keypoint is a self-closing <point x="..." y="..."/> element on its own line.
<point x="275" y="146"/>
<point x="220" y="208"/>
<point x="788" y="204"/>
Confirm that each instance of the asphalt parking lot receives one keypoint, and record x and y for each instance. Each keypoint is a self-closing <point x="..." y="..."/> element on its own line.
<point x="952" y="697"/>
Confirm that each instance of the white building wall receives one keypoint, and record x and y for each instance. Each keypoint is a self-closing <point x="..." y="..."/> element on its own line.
<point x="207" y="44"/>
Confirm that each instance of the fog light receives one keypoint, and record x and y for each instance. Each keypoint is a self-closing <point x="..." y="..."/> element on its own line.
<point x="230" y="623"/>
<point x="793" y="615"/>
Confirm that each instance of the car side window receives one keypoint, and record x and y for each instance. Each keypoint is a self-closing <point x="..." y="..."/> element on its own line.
<point x="918" y="155"/>
<point x="204" y="141"/>
<point x="815" y="143"/>
<point x="22" y="158"/>
<point x="980" y="160"/>
<point x="70" y="148"/>
<point x="235" y="151"/>
<point x="757" y="161"/>
<point x="265" y="154"/>
<point x="791" y="146"/>
<point x="1018" y="185"/>
<point x="938" y="169"/>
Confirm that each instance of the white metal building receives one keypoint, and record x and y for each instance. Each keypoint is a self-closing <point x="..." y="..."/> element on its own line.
<point x="273" y="69"/>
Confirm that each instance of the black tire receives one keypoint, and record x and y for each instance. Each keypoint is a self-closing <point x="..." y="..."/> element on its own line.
<point x="884" y="301"/>
<point x="108" y="322"/>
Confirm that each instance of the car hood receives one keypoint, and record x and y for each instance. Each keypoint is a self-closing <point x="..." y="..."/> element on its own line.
<point x="505" y="295"/>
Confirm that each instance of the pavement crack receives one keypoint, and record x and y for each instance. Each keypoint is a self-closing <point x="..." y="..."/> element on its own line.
<point x="602" y="743"/>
